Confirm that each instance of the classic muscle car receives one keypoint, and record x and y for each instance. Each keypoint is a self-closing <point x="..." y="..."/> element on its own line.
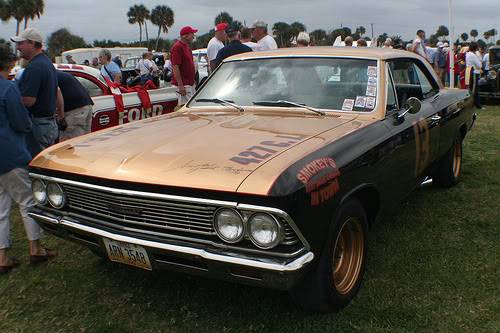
<point x="271" y="175"/>
<point x="491" y="88"/>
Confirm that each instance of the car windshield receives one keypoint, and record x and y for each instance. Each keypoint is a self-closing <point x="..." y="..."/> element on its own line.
<point x="323" y="83"/>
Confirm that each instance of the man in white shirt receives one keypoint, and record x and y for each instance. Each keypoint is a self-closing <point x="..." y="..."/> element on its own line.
<point x="216" y="44"/>
<point x="259" y="32"/>
<point x="418" y="46"/>
<point x="473" y="61"/>
<point x="146" y="65"/>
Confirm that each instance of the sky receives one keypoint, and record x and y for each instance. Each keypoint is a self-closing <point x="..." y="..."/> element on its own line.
<point x="98" y="19"/>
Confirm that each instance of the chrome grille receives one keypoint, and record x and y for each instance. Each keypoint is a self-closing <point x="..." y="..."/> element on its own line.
<point x="159" y="215"/>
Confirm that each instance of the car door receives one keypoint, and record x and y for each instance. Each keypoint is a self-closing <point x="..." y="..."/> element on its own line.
<point x="417" y="135"/>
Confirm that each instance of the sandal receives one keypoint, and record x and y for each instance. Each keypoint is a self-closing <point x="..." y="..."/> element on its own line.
<point x="38" y="258"/>
<point x="13" y="263"/>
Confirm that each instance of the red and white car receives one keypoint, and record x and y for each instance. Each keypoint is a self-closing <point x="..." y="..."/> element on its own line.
<point x="105" y="112"/>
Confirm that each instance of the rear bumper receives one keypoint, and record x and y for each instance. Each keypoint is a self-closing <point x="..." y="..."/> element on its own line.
<point x="276" y="273"/>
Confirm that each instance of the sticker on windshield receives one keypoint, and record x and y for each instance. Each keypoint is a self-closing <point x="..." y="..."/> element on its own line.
<point x="372" y="81"/>
<point x="370" y="103"/>
<point x="360" y="102"/>
<point x="334" y="78"/>
<point x="372" y="71"/>
<point x="348" y="105"/>
<point x="371" y="91"/>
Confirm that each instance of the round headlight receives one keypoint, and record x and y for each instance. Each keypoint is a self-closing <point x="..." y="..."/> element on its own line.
<point x="56" y="196"/>
<point x="39" y="191"/>
<point x="228" y="224"/>
<point x="264" y="231"/>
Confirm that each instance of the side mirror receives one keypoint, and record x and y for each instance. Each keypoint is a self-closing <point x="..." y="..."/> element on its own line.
<point x="412" y="105"/>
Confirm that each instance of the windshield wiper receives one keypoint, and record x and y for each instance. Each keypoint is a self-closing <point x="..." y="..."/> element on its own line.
<point x="221" y="101"/>
<point x="288" y="103"/>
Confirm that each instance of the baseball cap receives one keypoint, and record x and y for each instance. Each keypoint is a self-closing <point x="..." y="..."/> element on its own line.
<point x="188" y="30"/>
<point x="259" y="24"/>
<point x="28" y="34"/>
<point x="231" y="29"/>
<point x="440" y="44"/>
<point x="221" y="26"/>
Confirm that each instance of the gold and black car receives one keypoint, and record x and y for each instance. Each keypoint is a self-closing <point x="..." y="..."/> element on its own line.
<point x="271" y="175"/>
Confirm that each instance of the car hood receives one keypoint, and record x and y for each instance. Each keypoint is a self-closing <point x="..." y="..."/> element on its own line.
<point x="203" y="150"/>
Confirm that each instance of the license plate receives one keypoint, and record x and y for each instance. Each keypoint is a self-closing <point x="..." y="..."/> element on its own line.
<point x="126" y="253"/>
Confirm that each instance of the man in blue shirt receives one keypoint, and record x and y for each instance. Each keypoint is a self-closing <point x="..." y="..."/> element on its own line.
<point x="15" y="184"/>
<point x="235" y="46"/>
<point x="109" y="70"/>
<point x="38" y="86"/>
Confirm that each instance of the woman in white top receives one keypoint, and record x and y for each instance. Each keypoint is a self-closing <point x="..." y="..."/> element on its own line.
<point x="475" y="63"/>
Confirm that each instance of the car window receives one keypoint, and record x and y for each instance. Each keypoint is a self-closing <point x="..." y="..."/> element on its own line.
<point x="92" y="88"/>
<point x="410" y="80"/>
<point x="392" y="103"/>
<point x="326" y="83"/>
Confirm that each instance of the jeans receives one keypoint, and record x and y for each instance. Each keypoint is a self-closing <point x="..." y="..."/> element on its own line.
<point x="15" y="185"/>
<point x="43" y="134"/>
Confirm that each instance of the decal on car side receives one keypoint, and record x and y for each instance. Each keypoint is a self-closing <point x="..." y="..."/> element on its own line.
<point x="320" y="178"/>
<point x="422" y="145"/>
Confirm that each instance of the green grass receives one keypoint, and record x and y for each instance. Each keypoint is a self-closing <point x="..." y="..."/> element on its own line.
<point x="433" y="266"/>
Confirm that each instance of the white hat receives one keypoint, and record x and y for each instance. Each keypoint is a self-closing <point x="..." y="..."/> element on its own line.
<point x="28" y="34"/>
<point x="440" y="44"/>
<point x="259" y="24"/>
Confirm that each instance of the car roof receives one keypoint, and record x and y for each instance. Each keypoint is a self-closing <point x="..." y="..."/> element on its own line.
<point x="81" y="69"/>
<point x="333" y="51"/>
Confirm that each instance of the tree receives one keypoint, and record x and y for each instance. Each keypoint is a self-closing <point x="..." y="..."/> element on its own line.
<point x="481" y="43"/>
<point x="281" y="31"/>
<point x="464" y="36"/>
<point x="442" y="32"/>
<point x="223" y="17"/>
<point x="237" y="25"/>
<point x="133" y="19"/>
<point x="296" y="28"/>
<point x="318" y="36"/>
<point x="63" y="40"/>
<point x="143" y="15"/>
<point x="474" y="33"/>
<point x="5" y="12"/>
<point x="34" y="8"/>
<point x="163" y="17"/>
<point x="381" y="38"/>
<point x="433" y="40"/>
<point x="360" y="30"/>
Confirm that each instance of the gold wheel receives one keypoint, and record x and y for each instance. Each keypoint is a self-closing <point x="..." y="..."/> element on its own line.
<point x="348" y="256"/>
<point x="457" y="159"/>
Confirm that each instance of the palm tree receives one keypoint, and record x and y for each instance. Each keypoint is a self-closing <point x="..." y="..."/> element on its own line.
<point x="296" y="28"/>
<point x="163" y="17"/>
<point x="142" y="16"/>
<point x="281" y="31"/>
<point x="5" y="12"/>
<point x="361" y="31"/>
<point x="223" y="17"/>
<point x="464" y="36"/>
<point x="133" y="18"/>
<point x="34" y="9"/>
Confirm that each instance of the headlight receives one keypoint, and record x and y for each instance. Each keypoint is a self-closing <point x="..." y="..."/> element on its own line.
<point x="56" y="196"/>
<point x="264" y="231"/>
<point x="39" y="191"/>
<point x="228" y="224"/>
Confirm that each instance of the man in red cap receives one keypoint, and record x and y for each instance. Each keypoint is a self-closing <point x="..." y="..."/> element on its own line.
<point x="183" y="68"/>
<point x="216" y="44"/>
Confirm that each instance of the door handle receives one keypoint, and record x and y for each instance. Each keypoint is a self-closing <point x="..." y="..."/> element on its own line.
<point x="436" y="118"/>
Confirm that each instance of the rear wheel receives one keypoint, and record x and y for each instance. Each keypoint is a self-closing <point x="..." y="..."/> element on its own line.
<point x="450" y="167"/>
<point x="337" y="278"/>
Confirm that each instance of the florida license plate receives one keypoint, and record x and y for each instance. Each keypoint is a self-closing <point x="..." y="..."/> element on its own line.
<point x="126" y="253"/>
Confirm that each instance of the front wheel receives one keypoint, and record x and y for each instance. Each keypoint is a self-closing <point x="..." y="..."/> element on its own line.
<point x="337" y="278"/>
<point x="450" y="167"/>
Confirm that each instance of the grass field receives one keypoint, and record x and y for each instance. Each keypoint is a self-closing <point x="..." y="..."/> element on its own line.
<point x="433" y="267"/>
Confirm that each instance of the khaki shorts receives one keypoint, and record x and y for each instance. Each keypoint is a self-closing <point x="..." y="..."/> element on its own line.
<point x="181" y="100"/>
<point x="79" y="121"/>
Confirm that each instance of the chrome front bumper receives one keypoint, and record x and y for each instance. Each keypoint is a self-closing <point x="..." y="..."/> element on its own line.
<point x="277" y="273"/>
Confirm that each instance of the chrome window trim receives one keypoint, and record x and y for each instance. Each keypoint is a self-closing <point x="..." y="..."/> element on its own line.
<point x="229" y="204"/>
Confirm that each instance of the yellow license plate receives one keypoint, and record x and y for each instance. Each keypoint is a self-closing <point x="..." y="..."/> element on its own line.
<point x="126" y="253"/>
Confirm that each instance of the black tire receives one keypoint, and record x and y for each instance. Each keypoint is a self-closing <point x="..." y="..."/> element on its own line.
<point x="332" y="284"/>
<point x="450" y="167"/>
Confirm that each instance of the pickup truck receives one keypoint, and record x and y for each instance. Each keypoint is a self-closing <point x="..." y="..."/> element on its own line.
<point x="106" y="113"/>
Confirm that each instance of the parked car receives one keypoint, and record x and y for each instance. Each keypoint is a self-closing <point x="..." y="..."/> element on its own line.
<point x="105" y="113"/>
<point x="491" y="89"/>
<point x="271" y="175"/>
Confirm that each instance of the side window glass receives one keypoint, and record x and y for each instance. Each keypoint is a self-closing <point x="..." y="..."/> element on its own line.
<point x="426" y="86"/>
<point x="90" y="86"/>
<point x="411" y="80"/>
<point x="391" y="96"/>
